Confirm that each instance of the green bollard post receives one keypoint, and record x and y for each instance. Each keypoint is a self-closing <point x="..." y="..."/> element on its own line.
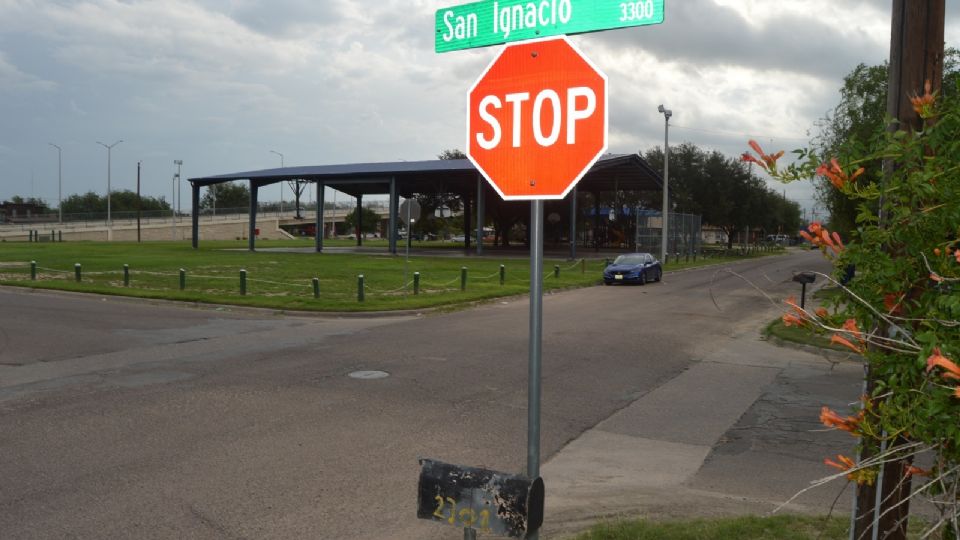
<point x="556" y="271"/>
<point x="583" y="266"/>
<point x="503" y="274"/>
<point x="53" y="236"/>
<point x="416" y="283"/>
<point x="77" y="272"/>
<point x="30" y="236"/>
<point x="183" y="279"/>
<point x="59" y="236"/>
<point x="463" y="278"/>
<point x="243" y="282"/>
<point x="33" y="270"/>
<point x="360" y="295"/>
<point x="316" y="287"/>
<point x="126" y="275"/>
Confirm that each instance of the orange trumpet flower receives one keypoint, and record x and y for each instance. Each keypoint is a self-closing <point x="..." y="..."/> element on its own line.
<point x="937" y="359"/>
<point x="834" y="420"/>
<point x="767" y="161"/>
<point x="846" y="343"/>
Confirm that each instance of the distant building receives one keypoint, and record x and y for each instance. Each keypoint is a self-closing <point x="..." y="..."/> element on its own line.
<point x="23" y="212"/>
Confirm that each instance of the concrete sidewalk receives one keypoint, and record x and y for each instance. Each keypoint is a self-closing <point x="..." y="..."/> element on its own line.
<point x="737" y="433"/>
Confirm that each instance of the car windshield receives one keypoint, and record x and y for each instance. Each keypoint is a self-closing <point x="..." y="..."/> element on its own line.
<point x="631" y="258"/>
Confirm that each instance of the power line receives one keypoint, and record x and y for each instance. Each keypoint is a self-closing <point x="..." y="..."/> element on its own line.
<point x="738" y="134"/>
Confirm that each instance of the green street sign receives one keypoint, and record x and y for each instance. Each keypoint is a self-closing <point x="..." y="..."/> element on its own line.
<point x="492" y="22"/>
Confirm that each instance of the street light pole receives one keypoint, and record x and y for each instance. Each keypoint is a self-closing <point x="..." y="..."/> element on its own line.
<point x="667" y="113"/>
<point x="178" y="163"/>
<point x="109" y="148"/>
<point x="59" y="180"/>
<point x="173" y="208"/>
<point x="281" y="183"/>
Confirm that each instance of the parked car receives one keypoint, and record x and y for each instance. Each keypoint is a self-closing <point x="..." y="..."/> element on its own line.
<point x="781" y="239"/>
<point x="458" y="238"/>
<point x="633" y="268"/>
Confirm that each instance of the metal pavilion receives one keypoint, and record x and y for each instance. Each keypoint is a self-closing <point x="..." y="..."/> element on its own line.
<point x="405" y="178"/>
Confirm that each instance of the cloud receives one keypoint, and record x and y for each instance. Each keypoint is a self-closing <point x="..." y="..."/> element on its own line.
<point x="14" y="80"/>
<point x="218" y="83"/>
<point x="823" y="40"/>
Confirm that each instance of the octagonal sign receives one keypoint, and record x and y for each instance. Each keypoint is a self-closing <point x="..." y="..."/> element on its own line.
<point x="537" y="119"/>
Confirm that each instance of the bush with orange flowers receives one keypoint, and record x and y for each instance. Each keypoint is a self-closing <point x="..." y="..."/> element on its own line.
<point x="901" y="313"/>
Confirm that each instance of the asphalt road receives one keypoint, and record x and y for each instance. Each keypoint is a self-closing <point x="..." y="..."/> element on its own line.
<point x="129" y="419"/>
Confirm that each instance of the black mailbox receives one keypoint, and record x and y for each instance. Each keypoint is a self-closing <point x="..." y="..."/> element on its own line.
<point x="489" y="501"/>
<point x="804" y="277"/>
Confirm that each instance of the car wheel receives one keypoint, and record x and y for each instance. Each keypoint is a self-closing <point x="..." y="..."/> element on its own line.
<point x="607" y="283"/>
<point x="643" y="278"/>
<point x="659" y="275"/>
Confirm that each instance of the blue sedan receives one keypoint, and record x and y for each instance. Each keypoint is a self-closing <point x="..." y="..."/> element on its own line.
<point x="633" y="268"/>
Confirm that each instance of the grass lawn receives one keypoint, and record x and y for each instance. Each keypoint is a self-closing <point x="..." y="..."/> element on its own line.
<point x="806" y="336"/>
<point x="284" y="280"/>
<point x="781" y="527"/>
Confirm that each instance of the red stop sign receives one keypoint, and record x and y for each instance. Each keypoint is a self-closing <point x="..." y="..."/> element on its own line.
<point x="537" y="119"/>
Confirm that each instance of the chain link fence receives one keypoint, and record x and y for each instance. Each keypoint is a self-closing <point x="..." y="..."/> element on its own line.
<point x="642" y="230"/>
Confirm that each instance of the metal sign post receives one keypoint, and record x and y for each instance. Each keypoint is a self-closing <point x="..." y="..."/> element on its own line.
<point x="536" y="335"/>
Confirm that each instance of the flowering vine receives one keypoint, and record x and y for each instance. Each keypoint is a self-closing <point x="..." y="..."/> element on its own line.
<point x="900" y="314"/>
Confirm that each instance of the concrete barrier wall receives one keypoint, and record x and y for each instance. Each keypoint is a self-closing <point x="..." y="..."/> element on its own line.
<point x="220" y="230"/>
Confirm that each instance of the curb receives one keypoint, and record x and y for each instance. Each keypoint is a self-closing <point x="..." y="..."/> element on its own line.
<point x="829" y="354"/>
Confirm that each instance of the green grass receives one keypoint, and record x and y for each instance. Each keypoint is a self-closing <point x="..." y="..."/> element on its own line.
<point x="781" y="527"/>
<point x="806" y="336"/>
<point x="284" y="280"/>
<point x="803" y="336"/>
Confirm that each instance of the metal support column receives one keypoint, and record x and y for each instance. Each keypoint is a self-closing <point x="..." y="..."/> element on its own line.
<point x="321" y="192"/>
<point x="596" y="221"/>
<point x="195" y="215"/>
<point x="394" y="209"/>
<point x="254" y="191"/>
<point x="467" y="218"/>
<point x="573" y="223"/>
<point x="359" y="223"/>
<point x="481" y="212"/>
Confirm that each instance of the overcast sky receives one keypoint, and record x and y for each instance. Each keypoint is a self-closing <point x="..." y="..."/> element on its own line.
<point x="221" y="83"/>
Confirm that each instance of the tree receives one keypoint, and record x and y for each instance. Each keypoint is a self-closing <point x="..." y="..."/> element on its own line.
<point x="857" y="122"/>
<point x="452" y="153"/>
<point x="370" y="220"/>
<point x="901" y="309"/>
<point x="231" y="195"/>
<point x="724" y="192"/>
<point x="298" y="187"/>
<point x="120" y="201"/>
<point x="435" y="198"/>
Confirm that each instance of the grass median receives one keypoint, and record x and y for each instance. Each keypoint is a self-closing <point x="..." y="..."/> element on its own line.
<point x="285" y="280"/>
<point x="783" y="527"/>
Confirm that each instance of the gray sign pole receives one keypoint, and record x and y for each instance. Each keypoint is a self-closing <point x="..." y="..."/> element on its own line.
<point x="536" y="332"/>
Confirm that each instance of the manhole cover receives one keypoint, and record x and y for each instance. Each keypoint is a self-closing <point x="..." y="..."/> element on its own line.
<point x="369" y="375"/>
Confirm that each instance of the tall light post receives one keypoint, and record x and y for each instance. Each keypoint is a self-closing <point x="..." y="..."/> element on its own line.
<point x="178" y="163"/>
<point x="173" y="207"/>
<point x="59" y="180"/>
<point x="667" y="113"/>
<point x="109" y="148"/>
<point x="281" y="183"/>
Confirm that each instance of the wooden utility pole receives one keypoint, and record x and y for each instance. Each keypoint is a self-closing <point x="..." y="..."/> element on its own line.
<point x="916" y="57"/>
